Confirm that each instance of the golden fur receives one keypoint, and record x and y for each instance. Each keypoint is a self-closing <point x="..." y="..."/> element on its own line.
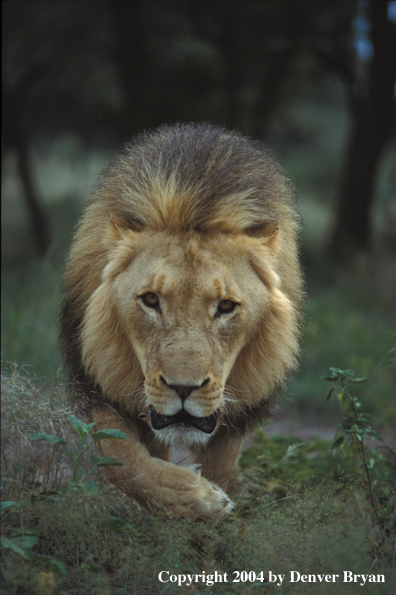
<point x="182" y="298"/>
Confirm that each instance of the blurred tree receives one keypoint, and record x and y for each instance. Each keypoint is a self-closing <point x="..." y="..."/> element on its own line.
<point x="15" y="138"/>
<point x="54" y="75"/>
<point x="372" y="107"/>
<point x="107" y="69"/>
<point x="257" y="43"/>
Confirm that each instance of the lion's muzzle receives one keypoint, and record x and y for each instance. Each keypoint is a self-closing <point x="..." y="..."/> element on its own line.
<point x="160" y="421"/>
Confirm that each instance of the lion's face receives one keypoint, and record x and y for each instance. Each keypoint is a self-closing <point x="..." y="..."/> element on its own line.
<point x="184" y="312"/>
<point x="187" y="306"/>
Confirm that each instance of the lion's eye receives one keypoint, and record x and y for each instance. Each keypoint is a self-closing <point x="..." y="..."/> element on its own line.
<point x="226" y="306"/>
<point x="151" y="300"/>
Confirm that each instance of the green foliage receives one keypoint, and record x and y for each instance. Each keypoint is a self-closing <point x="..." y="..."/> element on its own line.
<point x="282" y="463"/>
<point x="83" y="431"/>
<point x="303" y="507"/>
<point x="21" y="545"/>
<point x="345" y="323"/>
<point x="354" y="427"/>
<point x="104" y="434"/>
<point x="26" y="542"/>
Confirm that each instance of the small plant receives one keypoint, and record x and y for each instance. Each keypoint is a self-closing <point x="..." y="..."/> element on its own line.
<point x="355" y="427"/>
<point x="22" y="540"/>
<point x="80" y="477"/>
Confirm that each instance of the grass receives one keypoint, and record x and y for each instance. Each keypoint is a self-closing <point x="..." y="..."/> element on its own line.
<point x="30" y="306"/>
<point x="31" y="298"/>
<point x="345" y="328"/>
<point x="304" y="508"/>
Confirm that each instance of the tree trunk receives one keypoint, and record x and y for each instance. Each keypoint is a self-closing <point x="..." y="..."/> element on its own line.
<point x="371" y="128"/>
<point x="15" y="139"/>
<point x="38" y="220"/>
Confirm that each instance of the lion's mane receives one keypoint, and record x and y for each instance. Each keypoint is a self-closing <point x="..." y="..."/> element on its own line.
<point x="180" y="178"/>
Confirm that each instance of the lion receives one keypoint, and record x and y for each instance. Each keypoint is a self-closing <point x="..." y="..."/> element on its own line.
<point x="182" y="305"/>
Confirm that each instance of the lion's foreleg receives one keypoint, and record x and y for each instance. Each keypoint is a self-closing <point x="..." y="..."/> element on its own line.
<point x="219" y="463"/>
<point x="153" y="482"/>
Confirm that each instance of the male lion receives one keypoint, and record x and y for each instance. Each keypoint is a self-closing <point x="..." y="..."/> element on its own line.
<point x="180" y="320"/>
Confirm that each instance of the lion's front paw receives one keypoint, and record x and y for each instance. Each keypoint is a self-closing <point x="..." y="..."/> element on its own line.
<point x="186" y="493"/>
<point x="207" y="499"/>
<point x="227" y="504"/>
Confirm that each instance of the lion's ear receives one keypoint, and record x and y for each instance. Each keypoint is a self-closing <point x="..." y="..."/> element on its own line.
<point x="269" y="233"/>
<point x="119" y="227"/>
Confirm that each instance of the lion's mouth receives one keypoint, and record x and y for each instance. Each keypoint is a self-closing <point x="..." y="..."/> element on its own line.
<point x="160" y="421"/>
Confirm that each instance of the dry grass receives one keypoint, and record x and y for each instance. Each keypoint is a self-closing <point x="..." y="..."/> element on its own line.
<point x="294" y="515"/>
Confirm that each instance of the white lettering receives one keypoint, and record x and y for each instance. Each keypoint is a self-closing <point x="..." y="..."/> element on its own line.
<point x="363" y="578"/>
<point x="160" y="576"/>
<point x="272" y="578"/>
<point x="187" y="580"/>
<point x="294" y="576"/>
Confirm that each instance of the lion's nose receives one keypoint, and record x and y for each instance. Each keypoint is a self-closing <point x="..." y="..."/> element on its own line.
<point x="184" y="390"/>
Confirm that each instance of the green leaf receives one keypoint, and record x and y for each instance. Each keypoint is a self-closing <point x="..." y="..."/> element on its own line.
<point x="105" y="434"/>
<point x="89" y="487"/>
<point x="20" y="545"/>
<point x="373" y="434"/>
<point x="103" y="461"/>
<point x="348" y="373"/>
<point x="118" y="526"/>
<point x="23" y="531"/>
<point x="365" y="417"/>
<point x="58" y="567"/>
<point x="8" y="504"/>
<point x="292" y="448"/>
<point x="80" y="427"/>
<point x="359" y="380"/>
<point x="336" y="371"/>
<point x="47" y="495"/>
<point x="337" y="442"/>
<point x="51" y="438"/>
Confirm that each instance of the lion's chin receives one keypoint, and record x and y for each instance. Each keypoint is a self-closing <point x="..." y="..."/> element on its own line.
<point x="181" y="436"/>
<point x="182" y="429"/>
